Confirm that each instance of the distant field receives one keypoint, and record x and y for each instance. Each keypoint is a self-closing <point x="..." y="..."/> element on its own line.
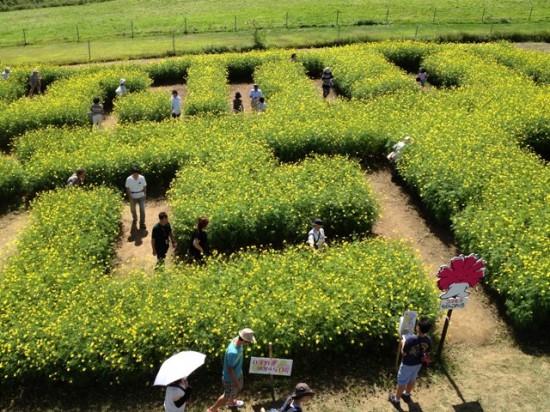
<point x="7" y="5"/>
<point x="130" y="29"/>
<point x="121" y="18"/>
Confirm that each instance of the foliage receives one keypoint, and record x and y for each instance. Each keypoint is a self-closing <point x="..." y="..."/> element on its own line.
<point x="151" y="105"/>
<point x="208" y="90"/>
<point x="271" y="204"/>
<point x="11" y="181"/>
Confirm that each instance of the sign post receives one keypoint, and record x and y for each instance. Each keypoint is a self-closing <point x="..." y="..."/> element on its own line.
<point x="271" y="366"/>
<point x="407" y="324"/>
<point x="453" y="280"/>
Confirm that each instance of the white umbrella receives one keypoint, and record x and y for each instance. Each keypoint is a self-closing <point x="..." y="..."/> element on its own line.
<point x="179" y="366"/>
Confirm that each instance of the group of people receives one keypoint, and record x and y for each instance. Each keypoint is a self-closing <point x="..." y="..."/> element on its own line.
<point x="177" y="394"/>
<point x="414" y="350"/>
<point x="257" y="101"/>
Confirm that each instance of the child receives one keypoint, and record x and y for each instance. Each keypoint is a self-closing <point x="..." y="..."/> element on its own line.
<point x="316" y="237"/>
<point x="414" y="349"/>
<point x="6" y="73"/>
<point x="301" y="395"/>
<point x="327" y="79"/>
<point x="238" y="106"/>
<point x="176" y="104"/>
<point x="261" y="105"/>
<point x="422" y="77"/>
<point x="96" y="113"/>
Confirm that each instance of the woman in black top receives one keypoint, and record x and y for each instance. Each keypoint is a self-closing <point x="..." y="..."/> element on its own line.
<point x="199" y="241"/>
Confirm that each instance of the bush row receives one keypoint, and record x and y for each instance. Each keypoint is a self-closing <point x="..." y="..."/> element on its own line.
<point x="63" y="252"/>
<point x="67" y="102"/>
<point x="149" y="105"/>
<point x="265" y="204"/>
<point x="207" y="88"/>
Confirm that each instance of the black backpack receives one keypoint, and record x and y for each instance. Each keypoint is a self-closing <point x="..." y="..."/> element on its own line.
<point x="287" y="407"/>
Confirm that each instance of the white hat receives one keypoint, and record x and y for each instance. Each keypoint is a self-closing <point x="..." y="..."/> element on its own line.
<point x="327" y="70"/>
<point x="247" y="334"/>
<point x="122" y="80"/>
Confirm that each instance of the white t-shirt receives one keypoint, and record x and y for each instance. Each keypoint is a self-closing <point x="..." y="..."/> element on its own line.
<point x="173" y="393"/>
<point x="316" y="237"/>
<point x="136" y="187"/>
<point x="176" y="104"/>
<point x="255" y="94"/>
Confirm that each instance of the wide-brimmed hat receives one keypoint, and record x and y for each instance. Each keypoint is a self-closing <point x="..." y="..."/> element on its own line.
<point x="247" y="334"/>
<point x="301" y="390"/>
<point x="317" y="222"/>
<point x="327" y="70"/>
<point x="122" y="80"/>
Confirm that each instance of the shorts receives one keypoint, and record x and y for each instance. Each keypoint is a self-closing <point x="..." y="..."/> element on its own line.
<point x="229" y="390"/>
<point x="407" y="373"/>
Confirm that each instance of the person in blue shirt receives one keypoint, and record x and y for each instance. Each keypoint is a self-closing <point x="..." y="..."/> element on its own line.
<point x="232" y="376"/>
<point x="414" y="350"/>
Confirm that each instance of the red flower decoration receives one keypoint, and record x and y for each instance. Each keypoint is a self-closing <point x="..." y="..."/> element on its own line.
<point x="468" y="269"/>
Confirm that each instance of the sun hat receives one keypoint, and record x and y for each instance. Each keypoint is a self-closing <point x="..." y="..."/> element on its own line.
<point x="318" y="222"/>
<point x="35" y="70"/>
<point x="327" y="70"/>
<point x="122" y="80"/>
<point x="301" y="390"/>
<point x="408" y="139"/>
<point x="247" y="334"/>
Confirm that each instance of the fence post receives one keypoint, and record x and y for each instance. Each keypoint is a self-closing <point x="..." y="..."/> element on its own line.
<point x="416" y="32"/>
<point x="185" y="25"/>
<point x="132" y="27"/>
<point x="174" y="43"/>
<point x="491" y="31"/>
<point x="387" y="14"/>
<point x="337" y="17"/>
<point x="530" y="12"/>
<point x="235" y="23"/>
<point x="89" y="52"/>
<point x="24" y="37"/>
<point x="286" y="21"/>
<point x="483" y="15"/>
<point x="77" y="35"/>
<point x="435" y="11"/>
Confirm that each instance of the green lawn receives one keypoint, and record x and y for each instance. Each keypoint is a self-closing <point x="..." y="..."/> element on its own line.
<point x="123" y="29"/>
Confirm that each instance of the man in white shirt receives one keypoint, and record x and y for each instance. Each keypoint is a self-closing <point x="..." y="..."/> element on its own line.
<point x="176" y="104"/>
<point x="136" y="188"/>
<point x="255" y="94"/>
<point x="316" y="236"/>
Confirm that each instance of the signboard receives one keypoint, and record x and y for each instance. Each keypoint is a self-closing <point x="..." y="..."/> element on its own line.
<point x="454" y="280"/>
<point x="407" y="323"/>
<point x="270" y="366"/>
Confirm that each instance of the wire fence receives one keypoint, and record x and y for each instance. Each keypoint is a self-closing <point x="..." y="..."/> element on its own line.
<point x="83" y="32"/>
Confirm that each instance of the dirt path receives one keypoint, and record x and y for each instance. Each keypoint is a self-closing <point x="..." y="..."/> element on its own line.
<point x="134" y="250"/>
<point x="401" y="219"/>
<point x="11" y="224"/>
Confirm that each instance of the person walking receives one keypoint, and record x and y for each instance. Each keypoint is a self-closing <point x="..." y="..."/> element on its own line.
<point x="414" y="349"/>
<point x="96" y="113"/>
<point x="422" y="77"/>
<point x="301" y="395"/>
<point x="176" y="104"/>
<point x="161" y="237"/>
<point x="136" y="188"/>
<point x="255" y="94"/>
<point x="238" y="106"/>
<point x="328" y="80"/>
<point x="6" y="73"/>
<point x="199" y="247"/>
<point x="121" y="89"/>
<point x="316" y="237"/>
<point x="394" y="154"/>
<point x="232" y="375"/>
<point x="36" y="83"/>
<point x="77" y="178"/>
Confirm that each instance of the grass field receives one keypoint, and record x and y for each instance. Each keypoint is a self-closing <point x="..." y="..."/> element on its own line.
<point x="122" y="29"/>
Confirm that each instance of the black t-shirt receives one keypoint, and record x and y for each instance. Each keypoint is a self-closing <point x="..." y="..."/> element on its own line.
<point x="414" y="347"/>
<point x="161" y="235"/>
<point x="203" y="241"/>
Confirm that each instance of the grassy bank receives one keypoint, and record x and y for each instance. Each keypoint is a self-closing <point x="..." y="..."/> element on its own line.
<point x="166" y="45"/>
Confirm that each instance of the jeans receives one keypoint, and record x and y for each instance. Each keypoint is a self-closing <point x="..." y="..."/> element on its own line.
<point x="141" y="203"/>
